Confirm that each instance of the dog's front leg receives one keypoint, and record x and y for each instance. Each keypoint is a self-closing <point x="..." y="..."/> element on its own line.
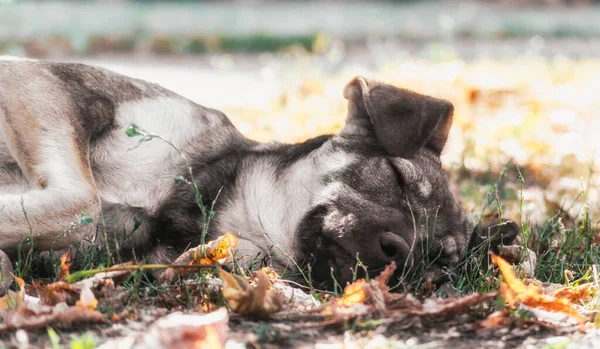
<point x="52" y="154"/>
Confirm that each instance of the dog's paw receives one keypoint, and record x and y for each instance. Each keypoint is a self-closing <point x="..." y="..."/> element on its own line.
<point x="501" y="232"/>
<point x="502" y="237"/>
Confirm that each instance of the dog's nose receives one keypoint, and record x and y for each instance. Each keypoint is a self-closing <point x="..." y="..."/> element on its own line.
<point x="393" y="247"/>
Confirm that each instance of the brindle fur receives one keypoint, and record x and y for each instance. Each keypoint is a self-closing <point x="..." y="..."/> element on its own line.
<point x="376" y="188"/>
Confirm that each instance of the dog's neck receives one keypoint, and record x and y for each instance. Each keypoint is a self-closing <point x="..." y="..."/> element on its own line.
<point x="277" y="184"/>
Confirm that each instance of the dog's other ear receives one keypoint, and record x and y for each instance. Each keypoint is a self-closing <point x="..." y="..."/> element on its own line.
<point x="402" y="121"/>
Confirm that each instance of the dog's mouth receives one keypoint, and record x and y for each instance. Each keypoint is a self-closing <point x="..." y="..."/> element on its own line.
<point x="332" y="265"/>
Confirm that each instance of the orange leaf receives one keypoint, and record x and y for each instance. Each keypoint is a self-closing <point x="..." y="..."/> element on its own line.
<point x="215" y="252"/>
<point x="531" y="295"/>
<point x="224" y="245"/>
<point x="87" y="300"/>
<point x="65" y="264"/>
<point x="511" y="280"/>
<point x="575" y="294"/>
<point x="58" y="292"/>
<point x="354" y="293"/>
<point x="13" y="299"/>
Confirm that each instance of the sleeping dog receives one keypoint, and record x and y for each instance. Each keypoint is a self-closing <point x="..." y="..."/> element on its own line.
<point x="376" y="191"/>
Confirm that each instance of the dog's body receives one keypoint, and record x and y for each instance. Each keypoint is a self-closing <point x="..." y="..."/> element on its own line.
<point x="377" y="188"/>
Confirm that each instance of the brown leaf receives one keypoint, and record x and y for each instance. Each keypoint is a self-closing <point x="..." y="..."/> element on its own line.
<point x="494" y="321"/>
<point x="215" y="252"/>
<point x="177" y="330"/>
<point x="443" y="309"/>
<point x="41" y="316"/>
<point x="575" y="293"/>
<point x="6" y="271"/>
<point x="361" y="295"/>
<point x="257" y="300"/>
<point x="531" y="295"/>
<point x="65" y="264"/>
<point x="270" y="273"/>
<point x="58" y="292"/>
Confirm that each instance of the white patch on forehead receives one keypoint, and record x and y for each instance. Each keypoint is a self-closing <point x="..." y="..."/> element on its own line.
<point x="425" y="187"/>
<point x="335" y="221"/>
<point x="149" y="181"/>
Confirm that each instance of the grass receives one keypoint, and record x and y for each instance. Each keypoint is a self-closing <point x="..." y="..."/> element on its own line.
<point x="561" y="250"/>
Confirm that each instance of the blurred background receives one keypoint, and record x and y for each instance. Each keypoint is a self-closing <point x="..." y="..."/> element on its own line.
<point x="524" y="76"/>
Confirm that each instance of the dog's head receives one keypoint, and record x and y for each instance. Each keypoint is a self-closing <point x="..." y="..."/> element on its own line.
<point x="393" y="202"/>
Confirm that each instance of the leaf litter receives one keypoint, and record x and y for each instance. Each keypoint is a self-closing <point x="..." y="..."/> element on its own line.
<point x="262" y="296"/>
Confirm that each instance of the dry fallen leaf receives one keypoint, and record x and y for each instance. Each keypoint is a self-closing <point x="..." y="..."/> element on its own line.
<point x="218" y="251"/>
<point x="271" y="274"/>
<point x="108" y="278"/>
<point x="87" y="300"/>
<point x="354" y="293"/>
<point x="362" y="298"/>
<point x="575" y="293"/>
<point x="58" y="292"/>
<point x="256" y="300"/>
<point x="179" y="330"/>
<point x="443" y="309"/>
<point x="495" y="320"/>
<point x="65" y="264"/>
<point x="41" y="316"/>
<point x="13" y="299"/>
<point x="361" y="291"/>
<point x="531" y="295"/>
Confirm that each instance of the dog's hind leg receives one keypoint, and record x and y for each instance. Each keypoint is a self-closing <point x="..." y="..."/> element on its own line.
<point x="40" y="129"/>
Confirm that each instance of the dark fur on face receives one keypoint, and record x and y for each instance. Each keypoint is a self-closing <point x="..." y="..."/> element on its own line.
<point x="394" y="202"/>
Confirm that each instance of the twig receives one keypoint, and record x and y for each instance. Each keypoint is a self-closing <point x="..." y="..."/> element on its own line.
<point x="85" y="273"/>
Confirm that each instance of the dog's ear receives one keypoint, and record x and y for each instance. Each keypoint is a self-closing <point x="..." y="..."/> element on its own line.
<point x="402" y="121"/>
